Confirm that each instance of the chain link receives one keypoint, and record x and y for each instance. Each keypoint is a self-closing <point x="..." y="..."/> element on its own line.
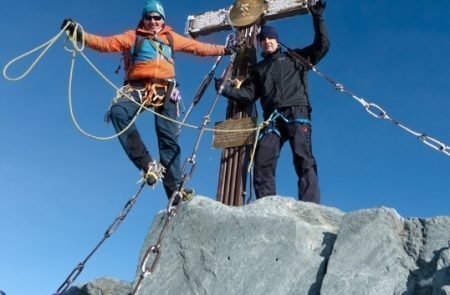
<point x="379" y="113"/>
<point x="111" y="229"/>
<point x="373" y="109"/>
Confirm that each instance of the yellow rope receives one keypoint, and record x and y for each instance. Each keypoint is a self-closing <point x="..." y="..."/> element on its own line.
<point x="261" y="126"/>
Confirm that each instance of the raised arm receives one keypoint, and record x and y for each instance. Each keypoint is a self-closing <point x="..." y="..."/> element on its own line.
<point x="321" y="44"/>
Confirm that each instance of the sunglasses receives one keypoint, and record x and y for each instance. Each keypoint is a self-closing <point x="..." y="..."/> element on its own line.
<point x="155" y="17"/>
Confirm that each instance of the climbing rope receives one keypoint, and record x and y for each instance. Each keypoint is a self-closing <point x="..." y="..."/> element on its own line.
<point x="47" y="46"/>
<point x="372" y="108"/>
<point x="111" y="229"/>
<point x="79" y="49"/>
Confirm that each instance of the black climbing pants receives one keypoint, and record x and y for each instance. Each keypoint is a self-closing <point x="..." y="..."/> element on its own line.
<point x="268" y="152"/>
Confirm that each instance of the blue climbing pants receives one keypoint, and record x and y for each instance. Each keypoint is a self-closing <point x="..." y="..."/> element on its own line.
<point x="122" y="113"/>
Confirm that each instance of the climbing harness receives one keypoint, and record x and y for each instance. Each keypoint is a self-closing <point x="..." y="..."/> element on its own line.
<point x="204" y="85"/>
<point x="154" y="94"/>
<point x="171" y="210"/>
<point x="263" y="126"/>
<point x="272" y="129"/>
<point x="372" y="108"/>
<point x="111" y="229"/>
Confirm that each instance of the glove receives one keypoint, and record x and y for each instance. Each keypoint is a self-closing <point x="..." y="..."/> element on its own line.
<point x="217" y="83"/>
<point x="317" y="10"/>
<point x="71" y="28"/>
<point x="226" y="88"/>
<point x="232" y="49"/>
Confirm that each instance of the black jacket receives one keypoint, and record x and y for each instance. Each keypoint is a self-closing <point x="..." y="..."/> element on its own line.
<point x="278" y="79"/>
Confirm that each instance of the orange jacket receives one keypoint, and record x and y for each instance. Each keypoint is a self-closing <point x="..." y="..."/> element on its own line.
<point x="157" y="68"/>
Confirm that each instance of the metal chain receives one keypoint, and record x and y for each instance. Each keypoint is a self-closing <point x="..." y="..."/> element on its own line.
<point x="171" y="211"/>
<point x="111" y="229"/>
<point x="372" y="108"/>
<point x="204" y="85"/>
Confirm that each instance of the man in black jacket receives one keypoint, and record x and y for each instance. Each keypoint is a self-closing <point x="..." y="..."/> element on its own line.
<point x="280" y="81"/>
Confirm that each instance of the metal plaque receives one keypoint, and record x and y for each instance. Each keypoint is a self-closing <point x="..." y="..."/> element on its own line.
<point x="235" y="139"/>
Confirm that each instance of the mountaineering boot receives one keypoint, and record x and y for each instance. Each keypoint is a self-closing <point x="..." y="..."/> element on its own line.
<point x="186" y="195"/>
<point x="154" y="173"/>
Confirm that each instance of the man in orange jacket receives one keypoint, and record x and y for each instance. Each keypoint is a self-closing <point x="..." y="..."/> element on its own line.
<point x="149" y="80"/>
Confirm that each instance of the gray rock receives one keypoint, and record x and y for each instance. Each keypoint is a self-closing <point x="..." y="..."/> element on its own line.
<point x="102" y="286"/>
<point x="282" y="246"/>
<point x="368" y="256"/>
<point x="274" y="246"/>
<point x="379" y="252"/>
<point x="445" y="290"/>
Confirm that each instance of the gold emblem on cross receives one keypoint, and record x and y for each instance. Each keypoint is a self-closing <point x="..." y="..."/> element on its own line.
<point x="245" y="9"/>
<point x="246" y="12"/>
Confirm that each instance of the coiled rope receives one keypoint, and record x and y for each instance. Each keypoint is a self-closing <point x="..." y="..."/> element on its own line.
<point x="79" y="49"/>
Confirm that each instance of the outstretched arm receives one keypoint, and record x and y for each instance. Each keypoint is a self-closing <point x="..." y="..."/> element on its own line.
<point x="187" y="45"/>
<point x="115" y="43"/>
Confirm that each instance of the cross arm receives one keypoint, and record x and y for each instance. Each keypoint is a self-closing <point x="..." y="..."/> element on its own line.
<point x="215" y="21"/>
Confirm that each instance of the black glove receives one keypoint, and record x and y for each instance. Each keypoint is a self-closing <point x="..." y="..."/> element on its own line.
<point x="217" y="83"/>
<point x="317" y="10"/>
<point x="232" y="49"/>
<point x="71" y="28"/>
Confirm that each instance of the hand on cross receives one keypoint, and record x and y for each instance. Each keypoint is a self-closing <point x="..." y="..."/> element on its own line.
<point x="318" y="8"/>
<point x="235" y="48"/>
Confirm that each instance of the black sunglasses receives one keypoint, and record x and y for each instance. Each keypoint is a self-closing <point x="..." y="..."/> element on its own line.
<point x="155" y="17"/>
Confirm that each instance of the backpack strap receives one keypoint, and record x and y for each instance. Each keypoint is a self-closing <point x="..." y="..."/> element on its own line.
<point x="170" y="39"/>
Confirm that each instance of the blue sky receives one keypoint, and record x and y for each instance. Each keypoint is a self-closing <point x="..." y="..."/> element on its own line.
<point x="61" y="190"/>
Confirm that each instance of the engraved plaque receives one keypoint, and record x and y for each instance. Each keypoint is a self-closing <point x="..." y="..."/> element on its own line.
<point x="234" y="139"/>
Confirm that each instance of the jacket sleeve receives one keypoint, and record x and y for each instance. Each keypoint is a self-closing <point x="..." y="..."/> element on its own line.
<point x="187" y="45"/>
<point x="319" y="48"/>
<point x="247" y="93"/>
<point x="115" y="43"/>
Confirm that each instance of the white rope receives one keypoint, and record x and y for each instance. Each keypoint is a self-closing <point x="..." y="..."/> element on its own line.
<point x="79" y="49"/>
<point x="49" y="43"/>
